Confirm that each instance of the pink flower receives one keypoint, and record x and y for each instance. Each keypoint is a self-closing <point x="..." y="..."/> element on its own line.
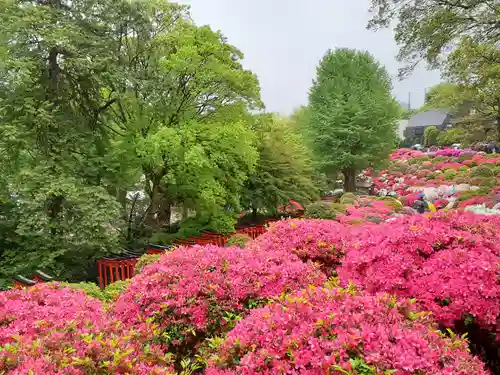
<point x="198" y="292"/>
<point x="317" y="331"/>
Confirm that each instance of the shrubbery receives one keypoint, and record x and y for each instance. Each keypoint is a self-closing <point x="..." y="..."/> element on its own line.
<point x="194" y="293"/>
<point x="49" y="329"/>
<point x="23" y="311"/>
<point x="145" y="260"/>
<point x="449" y="262"/>
<point x="268" y="308"/>
<point x="481" y="171"/>
<point x="108" y="294"/>
<point x="238" y="239"/>
<point x="320" y="241"/>
<point x="320" y="210"/>
<point x="348" y="198"/>
<point x="335" y="331"/>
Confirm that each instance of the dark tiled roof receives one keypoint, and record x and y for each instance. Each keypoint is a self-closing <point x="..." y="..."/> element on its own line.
<point x="429" y="118"/>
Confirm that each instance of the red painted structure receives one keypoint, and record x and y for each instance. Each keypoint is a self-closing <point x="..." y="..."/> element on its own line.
<point x="20" y="282"/>
<point x="122" y="267"/>
<point x="114" y="269"/>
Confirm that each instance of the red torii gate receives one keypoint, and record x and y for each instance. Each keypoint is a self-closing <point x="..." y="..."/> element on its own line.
<point x="111" y="269"/>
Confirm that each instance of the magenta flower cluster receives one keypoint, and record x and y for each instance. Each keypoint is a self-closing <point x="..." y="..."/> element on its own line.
<point x="338" y="331"/>
<point x="449" y="262"/>
<point x="321" y="241"/>
<point x="308" y="297"/>
<point x="197" y="292"/>
<point x="49" y="330"/>
<point x="412" y="170"/>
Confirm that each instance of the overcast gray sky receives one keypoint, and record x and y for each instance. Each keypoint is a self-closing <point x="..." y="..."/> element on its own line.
<point x="283" y="41"/>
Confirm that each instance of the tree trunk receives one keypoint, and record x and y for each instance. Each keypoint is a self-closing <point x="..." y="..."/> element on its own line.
<point x="498" y="123"/>
<point x="159" y="210"/>
<point x="254" y="214"/>
<point x="349" y="180"/>
<point x="55" y="208"/>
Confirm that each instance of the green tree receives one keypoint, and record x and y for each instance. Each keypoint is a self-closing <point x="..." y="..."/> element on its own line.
<point x="431" y="135"/>
<point x="187" y="76"/>
<point x="101" y="99"/>
<point x="428" y="29"/>
<point x="451" y="136"/>
<point x="284" y="169"/>
<point x="406" y="114"/>
<point x="475" y="67"/>
<point x="299" y="119"/>
<point x="352" y="114"/>
<point x="55" y="59"/>
<point x="447" y="96"/>
<point x="208" y="164"/>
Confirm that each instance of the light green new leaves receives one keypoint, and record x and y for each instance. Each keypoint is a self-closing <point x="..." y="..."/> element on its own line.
<point x="204" y="165"/>
<point x="429" y="29"/>
<point x="284" y="170"/>
<point x="352" y="113"/>
<point x="447" y="96"/>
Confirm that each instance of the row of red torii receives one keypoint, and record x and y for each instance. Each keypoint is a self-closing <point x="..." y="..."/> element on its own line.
<point x="123" y="267"/>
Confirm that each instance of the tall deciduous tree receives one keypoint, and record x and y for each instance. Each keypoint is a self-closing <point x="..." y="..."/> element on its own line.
<point x="431" y="135"/>
<point x="185" y="75"/>
<point x="447" y="96"/>
<point x="352" y="113"/>
<point x="428" y="29"/>
<point x="99" y="97"/>
<point x="284" y="168"/>
<point x="55" y="57"/>
<point x="475" y="67"/>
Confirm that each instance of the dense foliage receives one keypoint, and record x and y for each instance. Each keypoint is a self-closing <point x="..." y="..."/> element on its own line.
<point x="192" y="294"/>
<point x="451" y="178"/>
<point x="352" y="114"/>
<point x="284" y="170"/>
<point x="449" y="263"/>
<point x="460" y="37"/>
<point x="122" y="122"/>
<point x="195" y="306"/>
<point x="337" y="331"/>
<point x="51" y="329"/>
<point x="238" y="239"/>
<point x="429" y="29"/>
<point x="431" y="135"/>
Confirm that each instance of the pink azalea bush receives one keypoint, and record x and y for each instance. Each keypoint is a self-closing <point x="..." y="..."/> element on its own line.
<point x="449" y="262"/>
<point x="333" y="331"/>
<point x="196" y="292"/>
<point x="411" y="171"/>
<point x="28" y="313"/>
<point x="49" y="329"/>
<point x="367" y="210"/>
<point x="269" y="306"/>
<point x="319" y="241"/>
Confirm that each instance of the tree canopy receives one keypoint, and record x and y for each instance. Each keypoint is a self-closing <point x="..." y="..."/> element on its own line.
<point x="353" y="115"/>
<point x="447" y="96"/>
<point x="123" y="122"/>
<point x="459" y="37"/>
<point x="100" y="100"/>
<point x="428" y="29"/>
<point x="284" y="170"/>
